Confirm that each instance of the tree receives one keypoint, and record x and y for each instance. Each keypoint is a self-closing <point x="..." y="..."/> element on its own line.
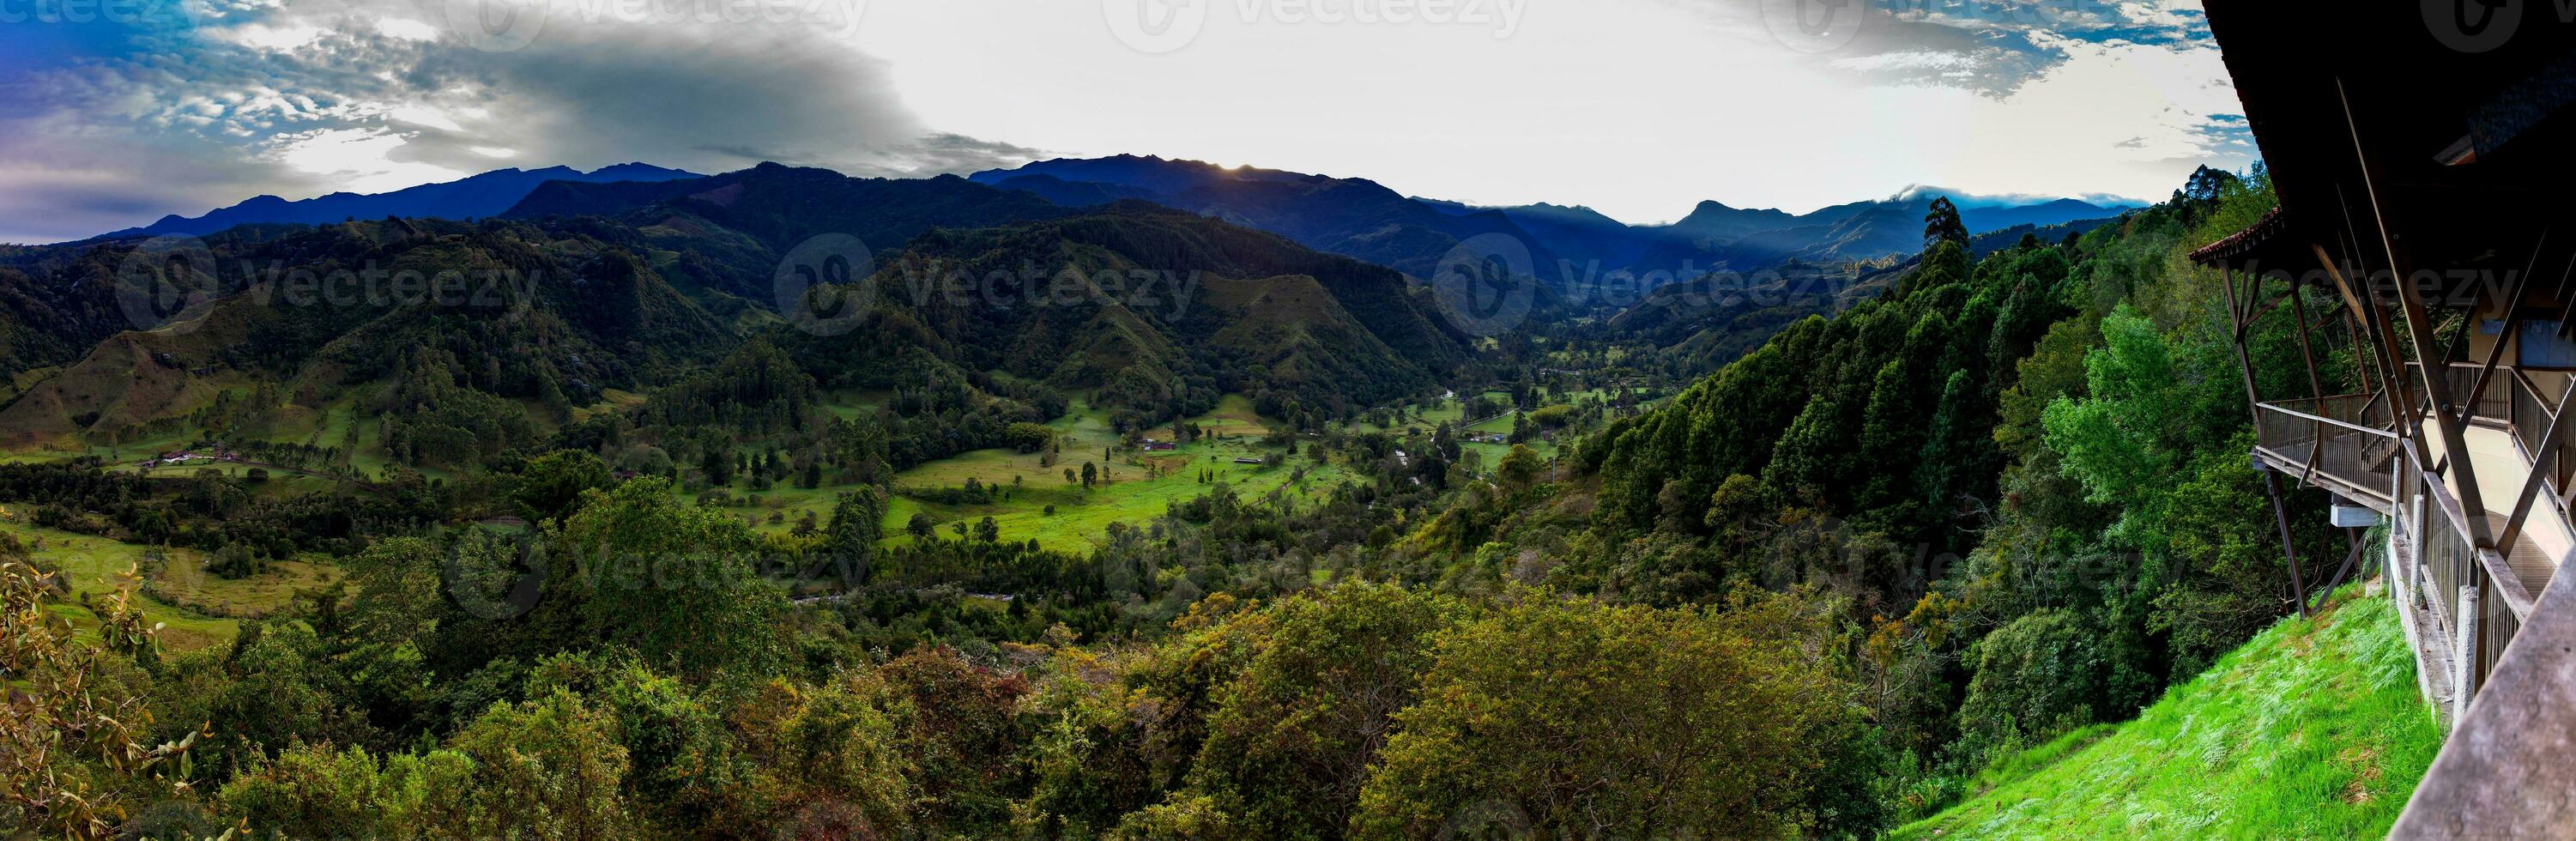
<point x="2038" y="676"/>
<point x="674" y="581"/>
<point x="1561" y="718"/>
<point x="1521" y="467"/>
<point x="920" y="526"/>
<point x="1294" y="735"/>
<point x="1942" y="224"/>
<point x="551" y="485"/>
<point x="550" y="767"/>
<point x="718" y="465"/>
<point x="76" y="751"/>
<point x="858" y="519"/>
<point x="1090" y="475"/>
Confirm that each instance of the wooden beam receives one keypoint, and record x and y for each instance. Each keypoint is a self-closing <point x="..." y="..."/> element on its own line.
<point x="2256" y="281"/>
<point x="2410" y="301"/>
<point x="2382" y="340"/>
<point x="2543" y="455"/>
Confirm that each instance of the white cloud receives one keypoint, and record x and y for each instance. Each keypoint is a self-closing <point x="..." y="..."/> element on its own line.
<point x="1905" y="61"/>
<point x="405" y="29"/>
<point x="272" y="38"/>
<point x="1639" y="108"/>
<point x="357" y="160"/>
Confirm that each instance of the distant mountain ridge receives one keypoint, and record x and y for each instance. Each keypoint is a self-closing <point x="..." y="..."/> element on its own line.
<point x="1568" y="246"/>
<point x="1353" y="217"/>
<point x="472" y="197"/>
<point x="1360" y="218"/>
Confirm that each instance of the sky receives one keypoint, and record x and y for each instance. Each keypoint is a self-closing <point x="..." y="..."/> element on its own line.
<point x="116" y="112"/>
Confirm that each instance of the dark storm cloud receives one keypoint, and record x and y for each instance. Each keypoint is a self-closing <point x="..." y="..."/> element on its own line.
<point x="296" y="101"/>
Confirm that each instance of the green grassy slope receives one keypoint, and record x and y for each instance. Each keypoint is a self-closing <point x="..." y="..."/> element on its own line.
<point x="2311" y="730"/>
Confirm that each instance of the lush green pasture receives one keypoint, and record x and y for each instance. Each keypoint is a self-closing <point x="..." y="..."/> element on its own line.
<point x="1133" y="486"/>
<point x="92" y="564"/>
<point x="2313" y="729"/>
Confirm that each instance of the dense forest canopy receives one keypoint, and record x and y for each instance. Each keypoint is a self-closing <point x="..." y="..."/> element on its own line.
<point x="1394" y="580"/>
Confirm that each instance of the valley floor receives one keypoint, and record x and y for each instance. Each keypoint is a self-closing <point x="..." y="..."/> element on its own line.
<point x="2313" y="729"/>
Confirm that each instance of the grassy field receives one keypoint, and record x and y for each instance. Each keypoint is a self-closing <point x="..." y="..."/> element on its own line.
<point x="1134" y="487"/>
<point x="92" y="564"/>
<point x="2313" y="729"/>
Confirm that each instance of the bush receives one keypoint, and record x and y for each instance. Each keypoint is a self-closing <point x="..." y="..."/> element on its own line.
<point x="236" y="560"/>
<point x="2039" y="676"/>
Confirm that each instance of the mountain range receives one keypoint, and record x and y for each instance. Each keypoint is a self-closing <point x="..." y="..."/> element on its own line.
<point x="667" y="290"/>
<point x="472" y="197"/>
<point x="1567" y="245"/>
<point x="1366" y="220"/>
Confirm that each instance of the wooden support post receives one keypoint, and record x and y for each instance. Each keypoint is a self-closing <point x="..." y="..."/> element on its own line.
<point x="2464" y="665"/>
<point x="2281" y="516"/>
<point x="2254" y="407"/>
<point x="2350" y="559"/>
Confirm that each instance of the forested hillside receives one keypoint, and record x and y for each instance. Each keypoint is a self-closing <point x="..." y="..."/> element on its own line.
<point x="2019" y="482"/>
<point x="1286" y="556"/>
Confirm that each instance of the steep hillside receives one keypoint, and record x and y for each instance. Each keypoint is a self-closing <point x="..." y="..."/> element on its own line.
<point x="1347" y="216"/>
<point x="414" y="314"/>
<point x="2311" y="730"/>
<point x="1198" y="308"/>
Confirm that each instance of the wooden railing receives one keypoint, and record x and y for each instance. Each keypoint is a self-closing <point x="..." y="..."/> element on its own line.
<point x="2494" y="402"/>
<point x="2530" y="419"/>
<point x="2475" y="601"/>
<point x="2470" y="597"/>
<point x="2350" y="439"/>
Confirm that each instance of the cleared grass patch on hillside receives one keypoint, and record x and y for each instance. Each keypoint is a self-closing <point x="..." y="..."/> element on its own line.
<point x="200" y="608"/>
<point x="2313" y="729"/>
<point x="1134" y="487"/>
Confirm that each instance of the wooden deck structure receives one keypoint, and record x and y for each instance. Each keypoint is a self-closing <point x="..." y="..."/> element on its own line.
<point x="2426" y="241"/>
